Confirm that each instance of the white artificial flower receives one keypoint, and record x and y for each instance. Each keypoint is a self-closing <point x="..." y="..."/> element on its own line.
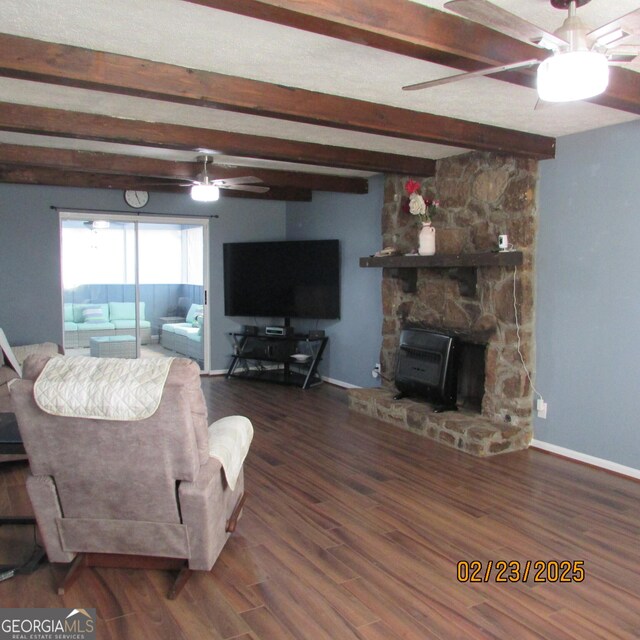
<point x="417" y="205"/>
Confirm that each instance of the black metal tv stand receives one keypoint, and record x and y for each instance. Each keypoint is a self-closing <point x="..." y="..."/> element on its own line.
<point x="269" y="358"/>
<point x="10" y="444"/>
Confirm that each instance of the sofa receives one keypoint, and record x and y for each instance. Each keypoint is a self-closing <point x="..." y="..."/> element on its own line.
<point x="185" y="337"/>
<point x="85" y="321"/>
<point x="7" y="373"/>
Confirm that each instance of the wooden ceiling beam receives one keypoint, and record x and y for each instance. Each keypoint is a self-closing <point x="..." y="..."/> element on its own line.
<point x="74" y="124"/>
<point x="623" y="92"/>
<point x="50" y="176"/>
<point x="402" y="27"/>
<point x="29" y="59"/>
<point x="113" y="163"/>
<point x="413" y="30"/>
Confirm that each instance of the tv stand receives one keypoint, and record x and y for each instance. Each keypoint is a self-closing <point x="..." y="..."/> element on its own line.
<point x="272" y="358"/>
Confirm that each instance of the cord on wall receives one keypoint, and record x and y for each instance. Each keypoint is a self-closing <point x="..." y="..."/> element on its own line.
<point x="541" y="405"/>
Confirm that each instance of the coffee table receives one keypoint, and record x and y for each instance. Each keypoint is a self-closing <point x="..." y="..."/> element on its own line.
<point x="113" y="346"/>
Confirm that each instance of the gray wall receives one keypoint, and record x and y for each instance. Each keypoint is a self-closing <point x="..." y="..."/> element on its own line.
<point x="30" y="296"/>
<point x="354" y="339"/>
<point x="588" y="294"/>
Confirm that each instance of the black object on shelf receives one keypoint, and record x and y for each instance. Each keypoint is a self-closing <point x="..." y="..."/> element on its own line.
<point x="11" y="443"/>
<point x="278" y="352"/>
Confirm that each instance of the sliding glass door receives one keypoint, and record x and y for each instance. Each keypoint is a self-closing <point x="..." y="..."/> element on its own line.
<point x="134" y="287"/>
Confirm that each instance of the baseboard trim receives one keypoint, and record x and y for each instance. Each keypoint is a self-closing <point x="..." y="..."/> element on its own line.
<point x="223" y="372"/>
<point x="587" y="459"/>
<point x="340" y="383"/>
<point x="333" y="381"/>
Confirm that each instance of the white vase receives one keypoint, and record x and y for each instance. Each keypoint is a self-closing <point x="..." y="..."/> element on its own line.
<point x="427" y="240"/>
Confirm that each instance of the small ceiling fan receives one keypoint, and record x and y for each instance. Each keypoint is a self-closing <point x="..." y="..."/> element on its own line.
<point x="204" y="188"/>
<point x="579" y="66"/>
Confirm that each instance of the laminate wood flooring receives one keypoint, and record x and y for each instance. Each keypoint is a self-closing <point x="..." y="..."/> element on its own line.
<point x="354" y="530"/>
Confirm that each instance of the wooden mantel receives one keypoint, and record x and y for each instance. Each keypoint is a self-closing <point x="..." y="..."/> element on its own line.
<point x="487" y="259"/>
<point x="463" y="266"/>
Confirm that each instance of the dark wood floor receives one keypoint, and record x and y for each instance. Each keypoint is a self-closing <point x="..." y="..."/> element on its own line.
<point x="354" y="529"/>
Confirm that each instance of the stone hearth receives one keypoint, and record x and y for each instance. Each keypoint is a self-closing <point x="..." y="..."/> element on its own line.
<point x="464" y="430"/>
<point x="482" y="195"/>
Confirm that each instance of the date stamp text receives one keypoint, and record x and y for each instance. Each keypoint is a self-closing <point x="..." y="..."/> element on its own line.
<point x="521" y="571"/>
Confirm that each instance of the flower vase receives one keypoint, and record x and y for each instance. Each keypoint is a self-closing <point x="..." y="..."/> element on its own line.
<point x="427" y="240"/>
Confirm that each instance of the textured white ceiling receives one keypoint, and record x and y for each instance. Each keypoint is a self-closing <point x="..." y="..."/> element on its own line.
<point x="543" y="14"/>
<point x="10" y="137"/>
<point x="185" y="34"/>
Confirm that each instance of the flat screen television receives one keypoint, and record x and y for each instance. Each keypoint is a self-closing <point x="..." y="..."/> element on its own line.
<point x="287" y="279"/>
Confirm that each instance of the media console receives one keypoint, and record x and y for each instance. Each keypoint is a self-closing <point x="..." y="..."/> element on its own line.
<point x="278" y="359"/>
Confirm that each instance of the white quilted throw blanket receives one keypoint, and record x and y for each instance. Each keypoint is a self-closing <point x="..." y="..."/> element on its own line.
<point x="102" y="388"/>
<point x="229" y="440"/>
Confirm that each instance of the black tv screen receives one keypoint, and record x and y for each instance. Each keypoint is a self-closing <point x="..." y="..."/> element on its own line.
<point x="288" y="279"/>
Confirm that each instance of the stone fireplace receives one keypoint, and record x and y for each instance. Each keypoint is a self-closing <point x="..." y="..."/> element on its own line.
<point x="482" y="195"/>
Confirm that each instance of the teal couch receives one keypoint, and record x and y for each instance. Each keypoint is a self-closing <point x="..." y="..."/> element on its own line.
<point x="185" y="337"/>
<point x="85" y="321"/>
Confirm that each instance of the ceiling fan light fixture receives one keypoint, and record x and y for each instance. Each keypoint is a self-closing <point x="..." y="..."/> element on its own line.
<point x="205" y="192"/>
<point x="573" y="75"/>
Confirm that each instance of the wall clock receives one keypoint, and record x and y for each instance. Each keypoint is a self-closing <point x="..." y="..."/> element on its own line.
<point x="136" y="199"/>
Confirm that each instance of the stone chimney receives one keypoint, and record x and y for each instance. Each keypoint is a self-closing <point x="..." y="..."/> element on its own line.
<point x="482" y="195"/>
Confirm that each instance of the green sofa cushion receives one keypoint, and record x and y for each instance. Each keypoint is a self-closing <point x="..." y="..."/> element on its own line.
<point x="125" y="311"/>
<point x="95" y="326"/>
<point x="194" y="310"/>
<point x="130" y="324"/>
<point x="187" y="331"/>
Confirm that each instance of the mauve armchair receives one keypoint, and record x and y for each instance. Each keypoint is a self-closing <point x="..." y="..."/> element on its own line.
<point x="140" y="493"/>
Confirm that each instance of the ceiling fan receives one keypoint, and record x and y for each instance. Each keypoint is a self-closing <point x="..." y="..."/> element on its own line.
<point x="204" y="188"/>
<point x="579" y="66"/>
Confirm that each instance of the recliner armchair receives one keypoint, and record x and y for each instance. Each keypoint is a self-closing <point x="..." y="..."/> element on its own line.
<point x="104" y="489"/>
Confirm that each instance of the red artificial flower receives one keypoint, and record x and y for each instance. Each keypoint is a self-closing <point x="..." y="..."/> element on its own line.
<point x="412" y="186"/>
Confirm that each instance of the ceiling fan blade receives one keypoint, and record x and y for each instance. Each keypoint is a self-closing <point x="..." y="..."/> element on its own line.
<point x="543" y="104"/>
<point x="470" y="74"/>
<point x="626" y="25"/>
<point x="622" y="54"/>
<point x="504" y="21"/>
<point x="167" y="184"/>
<point x="223" y="182"/>
<point x="245" y="187"/>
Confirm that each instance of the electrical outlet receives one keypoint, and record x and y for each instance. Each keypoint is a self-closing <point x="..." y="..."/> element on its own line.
<point x="541" y="407"/>
<point x="375" y="372"/>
